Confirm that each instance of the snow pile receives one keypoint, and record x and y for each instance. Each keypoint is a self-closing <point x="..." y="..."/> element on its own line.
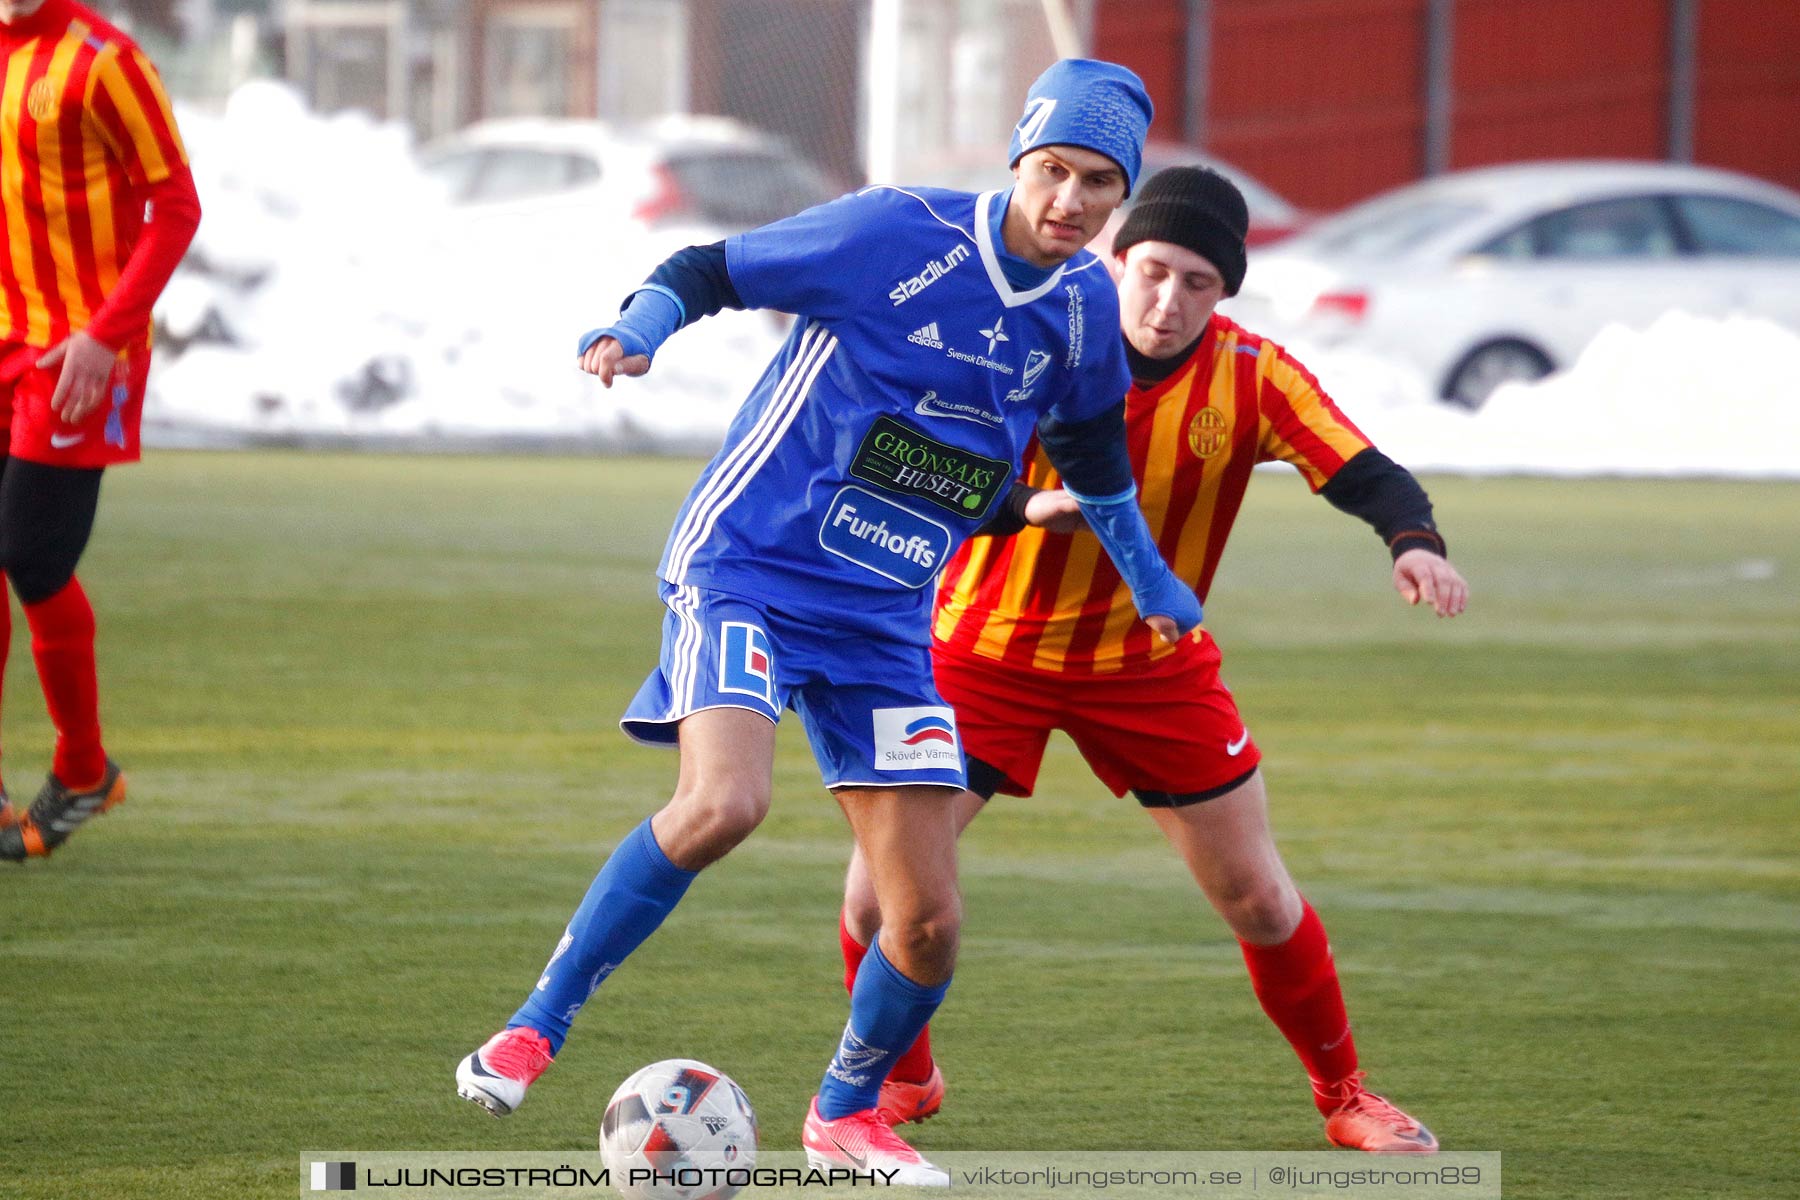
<point x="332" y="293"/>
<point x="1687" y="396"/>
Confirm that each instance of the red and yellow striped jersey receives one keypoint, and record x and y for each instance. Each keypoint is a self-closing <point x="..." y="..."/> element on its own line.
<point x="1055" y="602"/>
<point x="85" y="127"/>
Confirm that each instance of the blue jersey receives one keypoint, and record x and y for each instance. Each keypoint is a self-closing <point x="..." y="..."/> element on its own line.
<point x="892" y="421"/>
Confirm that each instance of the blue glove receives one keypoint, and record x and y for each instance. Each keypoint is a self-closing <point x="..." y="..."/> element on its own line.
<point x="1119" y="524"/>
<point x="650" y="315"/>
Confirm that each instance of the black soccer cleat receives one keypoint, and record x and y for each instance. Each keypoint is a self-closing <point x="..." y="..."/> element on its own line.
<point x="57" y="813"/>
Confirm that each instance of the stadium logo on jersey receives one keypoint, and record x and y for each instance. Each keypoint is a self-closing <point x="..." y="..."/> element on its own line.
<point x="934" y="270"/>
<point x="930" y="405"/>
<point x="915" y="739"/>
<point x="1077" y="325"/>
<point x="746" y="664"/>
<point x="927" y="335"/>
<point x="898" y="458"/>
<point x="996" y="335"/>
<point x="894" y="542"/>
<point x="1207" y="432"/>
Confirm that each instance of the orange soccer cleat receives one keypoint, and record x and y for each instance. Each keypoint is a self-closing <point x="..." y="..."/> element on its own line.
<point x="902" y="1102"/>
<point x="58" y="812"/>
<point x="1361" y="1120"/>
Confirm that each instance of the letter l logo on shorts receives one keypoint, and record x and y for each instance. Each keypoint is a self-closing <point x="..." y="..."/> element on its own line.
<point x="745" y="661"/>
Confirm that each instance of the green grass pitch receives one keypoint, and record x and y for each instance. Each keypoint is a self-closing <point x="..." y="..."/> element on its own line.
<point x="367" y="705"/>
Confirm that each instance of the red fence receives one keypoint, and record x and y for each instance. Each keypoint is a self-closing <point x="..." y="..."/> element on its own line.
<point x="1326" y="99"/>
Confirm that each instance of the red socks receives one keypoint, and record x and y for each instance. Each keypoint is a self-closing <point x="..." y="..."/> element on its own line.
<point x="1297" y="984"/>
<point x="915" y="1065"/>
<point x="62" y="642"/>
<point x="5" y="627"/>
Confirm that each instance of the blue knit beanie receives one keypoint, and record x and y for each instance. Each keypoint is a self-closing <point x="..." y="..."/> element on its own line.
<point x="1084" y="102"/>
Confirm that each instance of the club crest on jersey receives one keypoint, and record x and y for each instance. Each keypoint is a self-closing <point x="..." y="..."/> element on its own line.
<point x="1207" y="432"/>
<point x="43" y="100"/>
<point x="746" y="664"/>
<point x="915" y="739"/>
<point x="1035" y="362"/>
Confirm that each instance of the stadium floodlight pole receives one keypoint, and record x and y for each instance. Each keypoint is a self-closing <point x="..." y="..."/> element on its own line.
<point x="882" y="141"/>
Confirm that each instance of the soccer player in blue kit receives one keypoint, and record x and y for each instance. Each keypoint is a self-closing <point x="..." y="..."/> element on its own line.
<point x="937" y="333"/>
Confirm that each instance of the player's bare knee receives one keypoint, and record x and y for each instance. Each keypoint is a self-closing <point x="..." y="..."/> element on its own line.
<point x="706" y="824"/>
<point x="1264" y="912"/>
<point x="862" y="912"/>
<point x="923" y="940"/>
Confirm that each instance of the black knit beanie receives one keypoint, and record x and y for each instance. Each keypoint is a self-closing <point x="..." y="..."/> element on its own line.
<point x="1196" y="208"/>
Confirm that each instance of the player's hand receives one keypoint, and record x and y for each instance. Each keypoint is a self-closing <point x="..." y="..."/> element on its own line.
<point x="1164" y="628"/>
<point x="606" y="358"/>
<point x="1054" y="510"/>
<point x="1420" y="575"/>
<point x="81" y="386"/>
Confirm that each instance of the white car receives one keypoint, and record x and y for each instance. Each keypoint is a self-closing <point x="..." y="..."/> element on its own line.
<point x="710" y="171"/>
<point x="1487" y="276"/>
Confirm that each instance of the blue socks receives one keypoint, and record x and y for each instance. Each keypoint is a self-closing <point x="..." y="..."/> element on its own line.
<point x="628" y="899"/>
<point x="887" y="1011"/>
<point x="636" y="889"/>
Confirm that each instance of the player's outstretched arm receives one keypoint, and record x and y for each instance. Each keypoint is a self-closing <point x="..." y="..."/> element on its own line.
<point x="1423" y="576"/>
<point x="690" y="284"/>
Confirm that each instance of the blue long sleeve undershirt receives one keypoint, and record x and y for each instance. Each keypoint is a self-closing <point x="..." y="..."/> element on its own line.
<point x="690" y="284"/>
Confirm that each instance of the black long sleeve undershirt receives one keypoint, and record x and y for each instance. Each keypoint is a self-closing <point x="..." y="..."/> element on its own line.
<point x="1379" y="490"/>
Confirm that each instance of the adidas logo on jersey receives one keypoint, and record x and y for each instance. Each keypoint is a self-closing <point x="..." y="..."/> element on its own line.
<point x="927" y="336"/>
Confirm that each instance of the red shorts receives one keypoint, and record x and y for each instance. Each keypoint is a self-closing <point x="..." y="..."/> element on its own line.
<point x="1171" y="727"/>
<point x="109" y="435"/>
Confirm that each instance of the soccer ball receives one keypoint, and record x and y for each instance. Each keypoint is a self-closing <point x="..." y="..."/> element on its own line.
<point x="679" y="1130"/>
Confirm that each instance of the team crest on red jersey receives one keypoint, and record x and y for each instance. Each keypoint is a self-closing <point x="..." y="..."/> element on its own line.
<point x="43" y="99"/>
<point x="1207" y="432"/>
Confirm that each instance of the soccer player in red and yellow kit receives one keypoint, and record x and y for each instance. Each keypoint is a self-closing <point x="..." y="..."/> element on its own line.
<point x="1033" y="631"/>
<point x="97" y="207"/>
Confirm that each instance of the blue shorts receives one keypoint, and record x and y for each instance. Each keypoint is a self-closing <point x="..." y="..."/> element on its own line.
<point x="867" y="703"/>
